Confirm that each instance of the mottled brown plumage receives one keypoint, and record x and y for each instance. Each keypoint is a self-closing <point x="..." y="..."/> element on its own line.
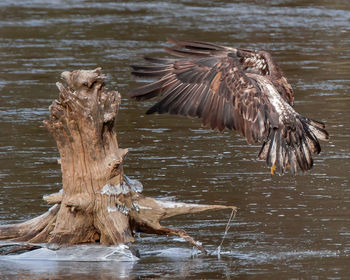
<point x="236" y="89"/>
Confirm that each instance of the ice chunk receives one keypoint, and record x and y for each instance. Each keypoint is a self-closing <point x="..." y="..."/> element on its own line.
<point x="135" y="185"/>
<point x="128" y="185"/>
<point x="174" y="253"/>
<point x="110" y="189"/>
<point x="80" y="253"/>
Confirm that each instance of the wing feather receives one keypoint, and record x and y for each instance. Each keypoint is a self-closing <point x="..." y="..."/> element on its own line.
<point x="151" y="90"/>
<point x="206" y="113"/>
<point x="214" y="112"/>
<point x="220" y="118"/>
<point x="228" y="116"/>
<point x="190" y="108"/>
<point x="198" y="45"/>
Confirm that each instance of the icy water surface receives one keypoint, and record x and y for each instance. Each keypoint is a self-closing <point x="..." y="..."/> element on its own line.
<point x="286" y="227"/>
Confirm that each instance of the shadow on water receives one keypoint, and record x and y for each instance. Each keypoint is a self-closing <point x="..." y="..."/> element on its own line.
<point x="286" y="227"/>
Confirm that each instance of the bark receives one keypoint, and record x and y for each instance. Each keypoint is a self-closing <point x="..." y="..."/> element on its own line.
<point x="98" y="203"/>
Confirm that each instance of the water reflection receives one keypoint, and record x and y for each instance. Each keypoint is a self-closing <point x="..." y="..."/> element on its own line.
<point x="65" y="270"/>
<point x="286" y="227"/>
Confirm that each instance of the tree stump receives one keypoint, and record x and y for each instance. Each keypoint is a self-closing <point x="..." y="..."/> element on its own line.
<point x="98" y="203"/>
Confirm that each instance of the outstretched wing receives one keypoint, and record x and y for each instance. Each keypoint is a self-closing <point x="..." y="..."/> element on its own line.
<point x="234" y="89"/>
<point x="252" y="62"/>
<point x="213" y="88"/>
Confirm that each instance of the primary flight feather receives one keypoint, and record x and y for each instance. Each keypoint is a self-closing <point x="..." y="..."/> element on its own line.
<point x="237" y="89"/>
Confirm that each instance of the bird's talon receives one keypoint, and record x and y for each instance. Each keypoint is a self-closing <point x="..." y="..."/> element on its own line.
<point x="273" y="169"/>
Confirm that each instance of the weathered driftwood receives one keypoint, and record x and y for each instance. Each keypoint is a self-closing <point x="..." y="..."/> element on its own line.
<point x="98" y="203"/>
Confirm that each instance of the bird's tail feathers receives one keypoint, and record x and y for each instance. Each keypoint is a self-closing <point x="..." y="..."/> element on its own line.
<point x="293" y="148"/>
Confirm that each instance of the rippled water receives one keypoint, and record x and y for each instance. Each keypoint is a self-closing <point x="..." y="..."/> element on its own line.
<point x="286" y="227"/>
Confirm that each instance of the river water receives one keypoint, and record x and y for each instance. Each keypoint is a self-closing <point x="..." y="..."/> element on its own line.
<point x="286" y="227"/>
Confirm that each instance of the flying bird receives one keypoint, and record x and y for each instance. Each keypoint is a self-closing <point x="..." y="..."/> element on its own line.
<point x="235" y="89"/>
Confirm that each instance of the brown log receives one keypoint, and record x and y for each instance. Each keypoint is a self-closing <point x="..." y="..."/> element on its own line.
<point x="98" y="203"/>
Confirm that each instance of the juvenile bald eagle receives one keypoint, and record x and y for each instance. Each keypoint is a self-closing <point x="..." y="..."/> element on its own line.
<point x="237" y="89"/>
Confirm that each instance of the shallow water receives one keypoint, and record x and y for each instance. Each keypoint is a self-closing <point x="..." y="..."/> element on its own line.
<point x="286" y="227"/>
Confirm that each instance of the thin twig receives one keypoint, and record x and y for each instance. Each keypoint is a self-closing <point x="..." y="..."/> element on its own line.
<point x="232" y="216"/>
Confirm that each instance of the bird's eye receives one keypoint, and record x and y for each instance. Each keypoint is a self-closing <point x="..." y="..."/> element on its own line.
<point x="85" y="84"/>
